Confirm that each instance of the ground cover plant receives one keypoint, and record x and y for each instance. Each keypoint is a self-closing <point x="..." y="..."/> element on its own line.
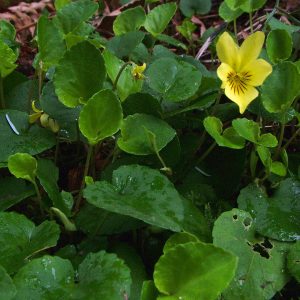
<point x="145" y="159"/>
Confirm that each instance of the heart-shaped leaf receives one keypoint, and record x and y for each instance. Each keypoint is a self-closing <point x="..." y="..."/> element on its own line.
<point x="146" y="194"/>
<point x="205" y="271"/>
<point x="281" y="87"/>
<point x="7" y="287"/>
<point x="277" y="217"/>
<point x="261" y="269"/>
<point x="7" y="58"/>
<point x="100" y="276"/>
<point x="194" y="7"/>
<point x="279" y="45"/>
<point x="159" y="17"/>
<point x="135" y="137"/>
<point x="23" y="165"/>
<point x="227" y="138"/>
<point x="175" y="80"/>
<point x="79" y="75"/>
<point x="129" y="20"/>
<point x="20" y="239"/>
<point x="101" y="117"/>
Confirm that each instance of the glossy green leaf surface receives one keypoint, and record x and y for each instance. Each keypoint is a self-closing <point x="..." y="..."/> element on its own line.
<point x="23" y="165"/>
<point x="21" y="239"/>
<point x="261" y="269"/>
<point x="175" y="80"/>
<point x="71" y="16"/>
<point x="194" y="270"/>
<point x="50" y="42"/>
<point x="281" y="87"/>
<point x="129" y="20"/>
<point x="278" y="216"/>
<point x="135" y="137"/>
<point x="279" y="45"/>
<point x="7" y="287"/>
<point x="194" y="7"/>
<point x="100" y="275"/>
<point x="31" y="139"/>
<point x="159" y="17"/>
<point x="178" y="239"/>
<point x="146" y="194"/>
<point x="101" y="117"/>
<point x="79" y="75"/>
<point x="227" y="138"/>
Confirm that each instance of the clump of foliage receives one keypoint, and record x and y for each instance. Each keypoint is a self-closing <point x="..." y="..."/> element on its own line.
<point x="132" y="168"/>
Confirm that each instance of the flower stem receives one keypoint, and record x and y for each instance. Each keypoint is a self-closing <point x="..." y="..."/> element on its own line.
<point x="251" y="21"/>
<point x="85" y="173"/>
<point x="281" y="135"/>
<point x="291" y="139"/>
<point x="2" y="101"/>
<point x="235" y="28"/>
<point x="39" y="197"/>
<point x="119" y="74"/>
<point x="206" y="153"/>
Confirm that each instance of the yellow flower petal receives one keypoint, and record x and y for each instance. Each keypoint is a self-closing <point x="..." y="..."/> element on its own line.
<point x="258" y="70"/>
<point x="223" y="71"/>
<point x="228" y="50"/>
<point x="34" y="108"/>
<point x="137" y="71"/>
<point x="241" y="99"/>
<point x="34" y="117"/>
<point x="50" y="123"/>
<point x="251" y="48"/>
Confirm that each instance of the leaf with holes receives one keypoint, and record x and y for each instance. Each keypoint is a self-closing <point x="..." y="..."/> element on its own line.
<point x="261" y="270"/>
<point x="278" y="216"/>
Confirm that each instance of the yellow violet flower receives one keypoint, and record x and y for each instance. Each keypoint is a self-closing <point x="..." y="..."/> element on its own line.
<point x="44" y="118"/>
<point x="241" y="70"/>
<point x="137" y="71"/>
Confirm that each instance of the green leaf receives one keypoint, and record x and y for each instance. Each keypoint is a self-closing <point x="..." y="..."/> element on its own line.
<point x="21" y="239"/>
<point x="265" y="156"/>
<point x="60" y="3"/>
<point x="135" y="138"/>
<point x="7" y="287"/>
<point x="194" y="270"/>
<point x="100" y="276"/>
<point x="194" y="7"/>
<point x="227" y="138"/>
<point x="149" y="291"/>
<point x="141" y="103"/>
<point x="279" y="45"/>
<point x="261" y="270"/>
<point x="73" y="14"/>
<point x="293" y="260"/>
<point x="31" y="140"/>
<point x="175" y="80"/>
<point x="250" y="5"/>
<point x="79" y="75"/>
<point x="7" y="33"/>
<point x="278" y="168"/>
<point x="129" y="20"/>
<point x="123" y="45"/>
<point x="278" y="216"/>
<point x="186" y="29"/>
<point x="8" y="59"/>
<point x="87" y="220"/>
<point x="101" y="117"/>
<point x="145" y="194"/>
<point x="23" y="165"/>
<point x="228" y="14"/>
<point x="50" y="42"/>
<point x="12" y="191"/>
<point x="277" y="24"/>
<point x="281" y="88"/>
<point x="250" y="131"/>
<point x="178" y="239"/>
<point x="47" y="173"/>
<point x="159" y="17"/>
<point x="171" y="41"/>
<point x="126" y="83"/>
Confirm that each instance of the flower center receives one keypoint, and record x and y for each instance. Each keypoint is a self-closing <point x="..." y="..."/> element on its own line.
<point x="238" y="82"/>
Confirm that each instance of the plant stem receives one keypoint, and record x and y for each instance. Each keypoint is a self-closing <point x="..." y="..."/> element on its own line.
<point x="2" y="101"/>
<point x="251" y="21"/>
<point x="206" y="153"/>
<point x="119" y="74"/>
<point x="291" y="139"/>
<point x="40" y="77"/>
<point x="235" y="28"/>
<point x="85" y="173"/>
<point x="39" y="197"/>
<point x="281" y="135"/>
